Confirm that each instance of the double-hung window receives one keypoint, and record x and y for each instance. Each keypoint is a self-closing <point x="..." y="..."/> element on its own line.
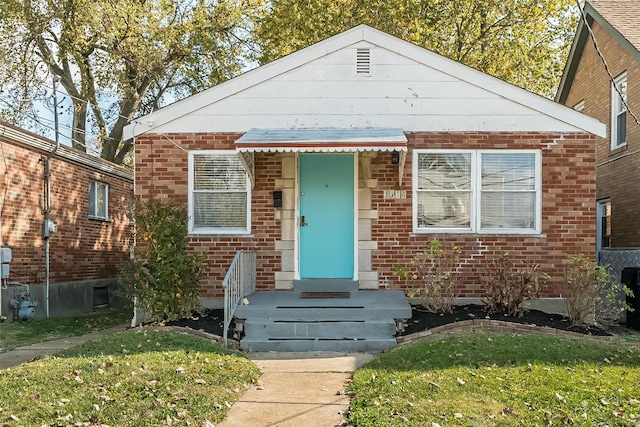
<point x="219" y="193"/>
<point x="477" y="191"/>
<point x="619" y="111"/>
<point x="98" y="200"/>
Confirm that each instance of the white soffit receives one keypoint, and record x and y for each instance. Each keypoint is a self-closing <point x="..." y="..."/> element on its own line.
<point x="322" y="140"/>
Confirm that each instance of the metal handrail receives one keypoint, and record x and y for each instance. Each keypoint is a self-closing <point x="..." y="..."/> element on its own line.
<point x="239" y="282"/>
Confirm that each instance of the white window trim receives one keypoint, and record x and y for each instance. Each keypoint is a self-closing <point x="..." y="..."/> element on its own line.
<point x="476" y="174"/>
<point x="215" y="230"/>
<point x="614" y="113"/>
<point x="579" y="107"/>
<point x="106" y="200"/>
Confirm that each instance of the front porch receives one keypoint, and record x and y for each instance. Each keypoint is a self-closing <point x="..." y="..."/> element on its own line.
<point x="321" y="315"/>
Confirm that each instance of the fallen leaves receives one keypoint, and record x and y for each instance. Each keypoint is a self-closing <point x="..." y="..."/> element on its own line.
<point x="67" y="417"/>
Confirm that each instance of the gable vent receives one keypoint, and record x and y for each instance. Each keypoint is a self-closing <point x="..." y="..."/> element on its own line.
<point x="363" y="61"/>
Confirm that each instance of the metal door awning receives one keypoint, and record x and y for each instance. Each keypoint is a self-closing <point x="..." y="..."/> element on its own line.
<point x="322" y="140"/>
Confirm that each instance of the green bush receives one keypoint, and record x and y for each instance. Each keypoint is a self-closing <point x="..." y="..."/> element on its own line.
<point x="163" y="275"/>
<point x="434" y="269"/>
<point x="510" y="286"/>
<point x="592" y="295"/>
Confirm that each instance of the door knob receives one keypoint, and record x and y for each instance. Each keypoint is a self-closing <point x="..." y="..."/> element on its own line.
<point x="303" y="223"/>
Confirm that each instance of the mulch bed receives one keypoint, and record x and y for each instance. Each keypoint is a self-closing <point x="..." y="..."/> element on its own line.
<point x="422" y="320"/>
<point x="211" y="321"/>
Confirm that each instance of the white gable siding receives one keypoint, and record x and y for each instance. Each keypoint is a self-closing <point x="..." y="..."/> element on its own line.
<point x="400" y="92"/>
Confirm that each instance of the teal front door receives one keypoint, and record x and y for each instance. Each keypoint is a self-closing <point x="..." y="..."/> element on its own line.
<point x="326" y="215"/>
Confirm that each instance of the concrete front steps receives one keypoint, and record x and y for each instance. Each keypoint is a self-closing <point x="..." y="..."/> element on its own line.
<point x="322" y="315"/>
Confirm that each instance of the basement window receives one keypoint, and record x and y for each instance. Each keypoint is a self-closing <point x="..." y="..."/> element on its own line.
<point x="98" y="200"/>
<point x="363" y="62"/>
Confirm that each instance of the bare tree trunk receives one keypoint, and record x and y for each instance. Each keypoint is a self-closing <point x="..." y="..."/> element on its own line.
<point x="78" y="132"/>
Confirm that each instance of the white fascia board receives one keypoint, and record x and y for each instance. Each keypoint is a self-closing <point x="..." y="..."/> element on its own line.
<point x="146" y="124"/>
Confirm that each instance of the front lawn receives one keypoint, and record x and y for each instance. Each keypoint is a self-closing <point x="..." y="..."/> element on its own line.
<point x="490" y="379"/>
<point x="133" y="378"/>
<point x="18" y="334"/>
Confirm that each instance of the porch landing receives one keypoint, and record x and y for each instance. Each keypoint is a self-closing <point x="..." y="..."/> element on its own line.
<point x="322" y="315"/>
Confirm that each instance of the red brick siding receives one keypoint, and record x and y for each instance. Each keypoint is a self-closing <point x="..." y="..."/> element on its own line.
<point x="82" y="248"/>
<point x="568" y="209"/>
<point x="568" y="213"/>
<point x="162" y="172"/>
<point x="618" y="173"/>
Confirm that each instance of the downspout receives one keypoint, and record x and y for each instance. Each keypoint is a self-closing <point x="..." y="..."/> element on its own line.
<point x="47" y="176"/>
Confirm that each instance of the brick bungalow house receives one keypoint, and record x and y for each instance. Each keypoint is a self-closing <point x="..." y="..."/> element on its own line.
<point x="586" y="86"/>
<point x="90" y="201"/>
<point x="342" y="159"/>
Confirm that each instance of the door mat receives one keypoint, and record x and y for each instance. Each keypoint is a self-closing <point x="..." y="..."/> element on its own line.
<point x="325" y="294"/>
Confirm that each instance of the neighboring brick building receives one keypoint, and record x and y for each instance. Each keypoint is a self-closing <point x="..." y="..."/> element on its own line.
<point x="340" y="160"/>
<point x="90" y="205"/>
<point x="587" y="86"/>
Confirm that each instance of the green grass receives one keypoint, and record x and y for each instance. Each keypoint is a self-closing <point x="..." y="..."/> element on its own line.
<point x="132" y="378"/>
<point x="483" y="379"/>
<point x="18" y="334"/>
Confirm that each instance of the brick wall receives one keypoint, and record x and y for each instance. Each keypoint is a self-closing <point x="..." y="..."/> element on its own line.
<point x="82" y="248"/>
<point x="618" y="171"/>
<point x="568" y="211"/>
<point x="162" y="172"/>
<point x="567" y="218"/>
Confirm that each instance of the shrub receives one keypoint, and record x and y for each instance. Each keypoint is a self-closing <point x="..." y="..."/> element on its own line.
<point x="434" y="269"/>
<point x="592" y="294"/>
<point x="510" y="286"/>
<point x="163" y="275"/>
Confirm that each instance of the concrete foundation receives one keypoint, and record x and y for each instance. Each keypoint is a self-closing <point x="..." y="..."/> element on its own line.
<point x="65" y="299"/>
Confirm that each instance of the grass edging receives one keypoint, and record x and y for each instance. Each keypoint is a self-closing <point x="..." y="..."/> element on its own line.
<point x="232" y="343"/>
<point x="497" y="325"/>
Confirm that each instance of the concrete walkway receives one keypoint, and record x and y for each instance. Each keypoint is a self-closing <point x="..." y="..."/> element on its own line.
<point x="25" y="354"/>
<point x="297" y="389"/>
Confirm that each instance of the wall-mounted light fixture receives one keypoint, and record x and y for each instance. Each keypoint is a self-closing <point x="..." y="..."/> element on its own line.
<point x="395" y="157"/>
